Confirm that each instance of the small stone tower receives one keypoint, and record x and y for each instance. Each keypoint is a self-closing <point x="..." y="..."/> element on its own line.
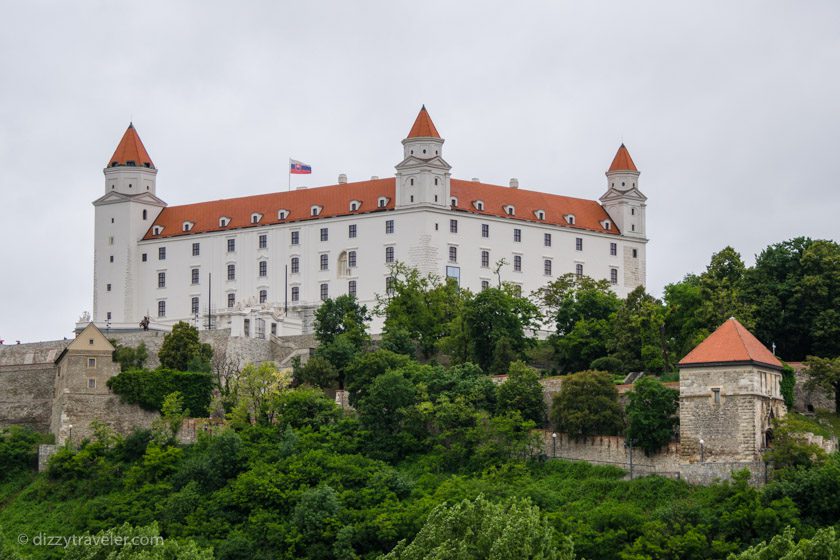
<point x="730" y="390"/>
<point x="623" y="201"/>
<point x="123" y="216"/>
<point x="423" y="175"/>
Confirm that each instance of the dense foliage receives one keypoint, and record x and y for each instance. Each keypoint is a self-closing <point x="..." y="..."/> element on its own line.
<point x="587" y="405"/>
<point x="183" y="351"/>
<point x="652" y="415"/>
<point x="149" y="388"/>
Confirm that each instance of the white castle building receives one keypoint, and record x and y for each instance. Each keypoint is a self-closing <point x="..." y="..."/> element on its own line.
<point x="261" y="264"/>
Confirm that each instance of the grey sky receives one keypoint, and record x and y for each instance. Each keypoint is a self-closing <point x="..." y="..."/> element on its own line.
<point x="729" y="109"/>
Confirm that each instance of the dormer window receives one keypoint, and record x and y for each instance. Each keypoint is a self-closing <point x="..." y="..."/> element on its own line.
<point x="382" y="202"/>
<point x="510" y="210"/>
<point x="157" y="230"/>
<point x="315" y="210"/>
<point x="224" y="221"/>
<point x="570" y="219"/>
<point x="540" y="214"/>
<point x="355" y="205"/>
<point x="453" y="202"/>
<point x="282" y="214"/>
<point x="607" y="225"/>
<point x="256" y="217"/>
<point x="479" y="204"/>
<point x="187" y="226"/>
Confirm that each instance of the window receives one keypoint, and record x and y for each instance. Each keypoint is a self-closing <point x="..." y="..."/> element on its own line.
<point x="570" y="219"/>
<point x="540" y="214"/>
<point x="111" y="240"/>
<point x="354" y="205"/>
<point x="632" y="211"/>
<point x="224" y="221"/>
<point x="351" y="288"/>
<point x="479" y="205"/>
<point x="635" y="253"/>
<point x="108" y="315"/>
<point x="390" y="282"/>
<point x="295" y="238"/>
<point x="145" y="214"/>
<point x="351" y="230"/>
<point x="389" y="226"/>
<point x="194" y="305"/>
<point x="91" y="383"/>
<point x="90" y="341"/>
<point x="485" y="259"/>
<point x="517" y="235"/>
<point x="161" y="253"/>
<point x="716" y="395"/>
<point x="579" y="270"/>
<point x="613" y="249"/>
<point x="91" y="362"/>
<point x="453" y="254"/>
<point x="246" y="326"/>
<point x="547" y="240"/>
<point x="579" y="244"/>
<point x="389" y="254"/>
<point x="263" y="269"/>
<point x="196" y="249"/>
<point x="263" y="241"/>
<point x="325" y="291"/>
<point x="485" y="230"/>
<point x="231" y="269"/>
<point x="453" y="226"/>
<point x="485" y="284"/>
<point x="161" y="309"/>
<point x="325" y="234"/>
<point x="382" y="201"/>
<point x="263" y="296"/>
<point x="607" y="225"/>
<point x="231" y="299"/>
<point x="144" y="257"/>
<point x="161" y="279"/>
<point x="255" y="218"/>
<point x="517" y="263"/>
<point x="231" y="245"/>
<point x="351" y="259"/>
<point x="510" y="210"/>
<point x="547" y="267"/>
<point x="194" y="276"/>
<point x="315" y="210"/>
<point x="613" y="276"/>
<point x="295" y="293"/>
<point x="282" y="214"/>
<point x="157" y="230"/>
<point x="295" y="265"/>
<point x="274" y="329"/>
<point x="111" y="258"/>
<point x="107" y="287"/>
<point x="187" y="226"/>
<point x="325" y="261"/>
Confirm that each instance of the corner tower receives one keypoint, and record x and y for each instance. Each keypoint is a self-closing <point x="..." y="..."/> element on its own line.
<point x="423" y="175"/>
<point x="623" y="201"/>
<point x="123" y="216"/>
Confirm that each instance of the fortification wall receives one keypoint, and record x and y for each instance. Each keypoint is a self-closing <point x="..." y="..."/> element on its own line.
<point x="26" y="394"/>
<point x="80" y="410"/>
<point x="612" y="451"/>
<point x="808" y="399"/>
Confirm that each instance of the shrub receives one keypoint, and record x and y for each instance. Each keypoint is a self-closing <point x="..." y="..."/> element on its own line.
<point x="587" y="405"/>
<point x="651" y="415"/>
<point x="149" y="388"/>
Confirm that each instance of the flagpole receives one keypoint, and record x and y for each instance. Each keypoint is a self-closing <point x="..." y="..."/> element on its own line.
<point x="289" y="169"/>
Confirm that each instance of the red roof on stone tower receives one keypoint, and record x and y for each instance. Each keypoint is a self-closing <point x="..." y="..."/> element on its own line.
<point x="131" y="149"/>
<point x="622" y="161"/>
<point x="423" y="126"/>
<point x="731" y="342"/>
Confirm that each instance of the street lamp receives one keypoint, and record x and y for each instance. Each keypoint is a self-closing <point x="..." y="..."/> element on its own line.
<point x="70" y="436"/>
<point x="554" y="445"/>
<point x="702" y="450"/>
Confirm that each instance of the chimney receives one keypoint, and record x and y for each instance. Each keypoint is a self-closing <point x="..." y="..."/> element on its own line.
<point x="374" y="177"/>
<point x="514" y="183"/>
<point x="476" y="180"/>
<point x="342" y="179"/>
<point x="300" y="188"/>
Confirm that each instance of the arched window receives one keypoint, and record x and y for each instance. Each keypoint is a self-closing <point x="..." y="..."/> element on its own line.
<point x="145" y="214"/>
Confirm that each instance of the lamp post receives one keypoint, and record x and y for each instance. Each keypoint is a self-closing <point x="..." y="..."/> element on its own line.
<point x="70" y="435"/>
<point x="702" y="450"/>
<point x="554" y="445"/>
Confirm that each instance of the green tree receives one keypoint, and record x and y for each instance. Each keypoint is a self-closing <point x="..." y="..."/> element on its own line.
<point x="587" y="405"/>
<point x="684" y="323"/>
<point x="651" y="415"/>
<point x="482" y="530"/>
<point x="366" y="367"/>
<point x="790" y="449"/>
<point x="493" y="315"/>
<point x="317" y="372"/>
<point x="172" y="416"/>
<point x="129" y="357"/>
<point x="825" y="374"/>
<point x="342" y="315"/>
<point x="824" y="545"/>
<point x="256" y="390"/>
<point x="316" y="519"/>
<point x="181" y="350"/>
<point x="385" y="412"/>
<point x="306" y="407"/>
<point x="522" y="392"/>
<point x="638" y="334"/>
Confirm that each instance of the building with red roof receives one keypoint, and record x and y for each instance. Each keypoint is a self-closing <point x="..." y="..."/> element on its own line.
<point x="261" y="264"/>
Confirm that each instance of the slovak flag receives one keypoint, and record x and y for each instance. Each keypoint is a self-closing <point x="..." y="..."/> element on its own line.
<point x="299" y="168"/>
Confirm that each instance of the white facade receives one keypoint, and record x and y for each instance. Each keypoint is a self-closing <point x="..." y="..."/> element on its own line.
<point x="220" y="272"/>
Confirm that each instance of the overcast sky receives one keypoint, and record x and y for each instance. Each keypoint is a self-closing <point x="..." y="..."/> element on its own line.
<point x="731" y="110"/>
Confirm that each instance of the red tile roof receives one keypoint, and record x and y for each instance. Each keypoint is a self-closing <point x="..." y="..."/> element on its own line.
<point x="335" y="201"/>
<point x="622" y="161"/>
<point x="731" y="342"/>
<point x="423" y="126"/>
<point x="131" y="149"/>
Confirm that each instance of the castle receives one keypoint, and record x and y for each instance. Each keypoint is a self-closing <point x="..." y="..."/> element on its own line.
<point x="260" y="265"/>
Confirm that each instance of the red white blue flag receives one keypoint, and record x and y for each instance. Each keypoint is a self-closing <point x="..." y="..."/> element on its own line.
<point x="299" y="168"/>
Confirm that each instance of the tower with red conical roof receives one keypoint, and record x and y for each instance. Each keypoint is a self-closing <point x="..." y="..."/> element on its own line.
<point x="423" y="175"/>
<point x="623" y="200"/>
<point x="730" y="391"/>
<point x="123" y="216"/>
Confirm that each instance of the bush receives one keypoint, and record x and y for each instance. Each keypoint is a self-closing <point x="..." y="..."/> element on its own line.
<point x="150" y="388"/>
<point x="523" y="393"/>
<point x="608" y="364"/>
<point x="651" y="415"/>
<point x="18" y="450"/>
<point x="587" y="405"/>
<point x="181" y="350"/>
<point x="788" y="385"/>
